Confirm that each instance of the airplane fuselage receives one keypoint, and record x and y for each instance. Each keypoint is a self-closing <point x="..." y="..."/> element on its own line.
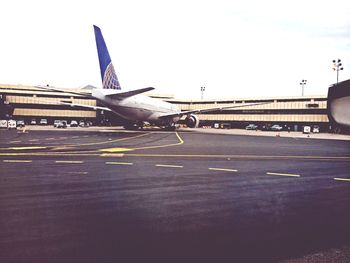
<point x="138" y="107"/>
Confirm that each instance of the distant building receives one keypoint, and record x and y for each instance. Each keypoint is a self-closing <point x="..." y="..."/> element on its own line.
<point x="34" y="102"/>
<point x="294" y="112"/>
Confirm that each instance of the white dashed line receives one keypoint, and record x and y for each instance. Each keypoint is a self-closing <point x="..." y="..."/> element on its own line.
<point x="283" y="174"/>
<point x="223" y="169"/>
<point x="169" y="166"/>
<point x="118" y="163"/>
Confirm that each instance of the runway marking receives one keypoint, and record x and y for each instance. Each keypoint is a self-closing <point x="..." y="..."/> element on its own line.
<point x="78" y="172"/>
<point x="117" y="149"/>
<point x="169" y="166"/>
<point x="244" y="157"/>
<point x="118" y="163"/>
<point x="282" y="174"/>
<point x="33" y="140"/>
<point x="342" y="179"/>
<point x="280" y="157"/>
<point x="110" y="141"/>
<point x="26" y="148"/>
<point x="15" y="141"/>
<point x="223" y="169"/>
<point x="161" y="146"/>
<point x="69" y="161"/>
<point x="112" y="155"/>
<point x="17" y="161"/>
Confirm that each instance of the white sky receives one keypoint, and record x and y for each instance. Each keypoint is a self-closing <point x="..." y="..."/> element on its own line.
<point x="235" y="49"/>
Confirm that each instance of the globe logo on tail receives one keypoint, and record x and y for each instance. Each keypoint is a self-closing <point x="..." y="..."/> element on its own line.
<point x="110" y="80"/>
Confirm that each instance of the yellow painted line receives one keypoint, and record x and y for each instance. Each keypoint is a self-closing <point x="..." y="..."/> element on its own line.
<point x="112" y="155"/>
<point x="109" y="141"/>
<point x="69" y="161"/>
<point x="117" y="149"/>
<point x="282" y="174"/>
<point x="17" y="161"/>
<point x="342" y="179"/>
<point x="223" y="169"/>
<point x="119" y="163"/>
<point x="70" y="154"/>
<point x="27" y="148"/>
<point x="161" y="146"/>
<point x="169" y="166"/>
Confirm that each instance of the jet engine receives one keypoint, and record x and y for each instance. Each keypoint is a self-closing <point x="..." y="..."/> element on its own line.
<point x="192" y="121"/>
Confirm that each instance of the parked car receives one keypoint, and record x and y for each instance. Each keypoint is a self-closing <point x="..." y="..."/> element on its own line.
<point x="3" y="123"/>
<point x="33" y="122"/>
<point x="20" y="123"/>
<point x="61" y="124"/>
<point x="56" y="122"/>
<point x="251" y="127"/>
<point x="73" y="124"/>
<point x="11" y="124"/>
<point x="316" y="129"/>
<point x="43" y="122"/>
<point x="276" y="127"/>
<point x="306" y="129"/>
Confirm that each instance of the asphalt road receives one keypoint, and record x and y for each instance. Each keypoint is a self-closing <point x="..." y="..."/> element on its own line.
<point x="150" y="196"/>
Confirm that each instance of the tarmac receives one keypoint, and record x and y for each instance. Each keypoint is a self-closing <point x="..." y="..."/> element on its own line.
<point x="284" y="134"/>
<point x="102" y="194"/>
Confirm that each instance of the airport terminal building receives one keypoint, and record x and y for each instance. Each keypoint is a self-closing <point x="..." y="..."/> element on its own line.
<point x="35" y="102"/>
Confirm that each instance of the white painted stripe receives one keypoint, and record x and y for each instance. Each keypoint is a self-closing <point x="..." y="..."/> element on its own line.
<point x="342" y="179"/>
<point x="78" y="172"/>
<point x="223" y="169"/>
<point x="69" y="161"/>
<point x="119" y="163"/>
<point x="17" y="161"/>
<point x="169" y="165"/>
<point x="282" y="174"/>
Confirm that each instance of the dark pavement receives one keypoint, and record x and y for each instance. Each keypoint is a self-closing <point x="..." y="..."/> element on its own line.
<point x="89" y="196"/>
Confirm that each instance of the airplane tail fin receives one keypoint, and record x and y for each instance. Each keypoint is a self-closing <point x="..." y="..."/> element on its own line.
<point x="109" y="78"/>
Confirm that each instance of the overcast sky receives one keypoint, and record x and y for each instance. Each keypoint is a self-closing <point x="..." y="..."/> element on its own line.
<point x="235" y="49"/>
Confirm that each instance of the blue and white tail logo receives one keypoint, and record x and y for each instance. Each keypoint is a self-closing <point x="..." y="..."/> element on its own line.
<point x="109" y="78"/>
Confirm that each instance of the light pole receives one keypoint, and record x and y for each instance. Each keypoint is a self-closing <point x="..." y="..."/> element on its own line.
<point x="303" y="83"/>
<point x="202" y="92"/>
<point x="337" y="65"/>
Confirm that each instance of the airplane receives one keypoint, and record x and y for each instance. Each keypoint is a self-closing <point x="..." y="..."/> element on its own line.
<point x="134" y="107"/>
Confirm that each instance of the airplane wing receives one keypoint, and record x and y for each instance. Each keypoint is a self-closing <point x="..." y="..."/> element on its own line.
<point x="113" y="93"/>
<point x="182" y="113"/>
<point x="81" y="93"/>
<point x="117" y="94"/>
<point x="85" y="106"/>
